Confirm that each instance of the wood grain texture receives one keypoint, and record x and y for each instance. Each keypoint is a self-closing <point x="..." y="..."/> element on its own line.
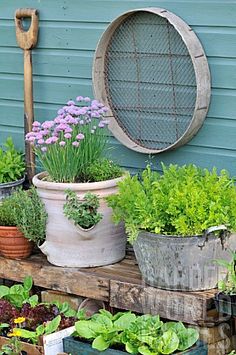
<point x="187" y="307"/>
<point x="119" y="284"/>
<point x="202" y="12"/>
<point x="72" y="281"/>
<point x="29" y="348"/>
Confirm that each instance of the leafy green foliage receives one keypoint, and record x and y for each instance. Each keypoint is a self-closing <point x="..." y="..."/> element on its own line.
<point x="83" y="212"/>
<point x="17" y="294"/>
<point x="146" y="335"/>
<point x="228" y="286"/>
<point x="43" y="329"/>
<point x="25" y="210"/>
<point x="12" y="164"/>
<point x="14" y="347"/>
<point x="183" y="201"/>
<point x="101" y="170"/>
<point x="104" y="329"/>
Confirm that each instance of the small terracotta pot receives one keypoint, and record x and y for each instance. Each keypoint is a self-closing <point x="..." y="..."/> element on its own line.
<point x="13" y="244"/>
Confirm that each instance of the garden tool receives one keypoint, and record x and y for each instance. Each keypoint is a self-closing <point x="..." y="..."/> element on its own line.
<point x="27" y="40"/>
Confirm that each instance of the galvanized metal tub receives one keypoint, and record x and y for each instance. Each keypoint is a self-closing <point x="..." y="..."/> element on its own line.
<point x="7" y="188"/>
<point x="183" y="263"/>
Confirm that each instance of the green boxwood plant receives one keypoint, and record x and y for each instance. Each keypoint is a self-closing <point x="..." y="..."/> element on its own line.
<point x="182" y="201"/>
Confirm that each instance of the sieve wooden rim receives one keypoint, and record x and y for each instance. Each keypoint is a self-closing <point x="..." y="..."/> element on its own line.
<point x="200" y="65"/>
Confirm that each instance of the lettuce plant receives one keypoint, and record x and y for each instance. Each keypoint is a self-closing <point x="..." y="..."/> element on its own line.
<point x="183" y="201"/>
<point x="104" y="329"/>
<point x="146" y="335"/>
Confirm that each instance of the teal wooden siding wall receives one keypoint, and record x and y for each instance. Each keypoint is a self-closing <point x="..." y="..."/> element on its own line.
<point x="69" y="32"/>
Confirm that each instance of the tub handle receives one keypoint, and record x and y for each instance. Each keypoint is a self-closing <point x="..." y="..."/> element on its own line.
<point x="209" y="230"/>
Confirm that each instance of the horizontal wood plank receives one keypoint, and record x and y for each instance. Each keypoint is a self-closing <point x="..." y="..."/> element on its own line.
<point x="45" y="275"/>
<point x="217" y="42"/>
<point x="78" y="64"/>
<point x="204" y="12"/>
<point x="120" y="284"/>
<point x="180" y="306"/>
<point x="50" y="90"/>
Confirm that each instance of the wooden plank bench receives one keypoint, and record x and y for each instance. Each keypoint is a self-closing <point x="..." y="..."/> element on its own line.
<point x="120" y="285"/>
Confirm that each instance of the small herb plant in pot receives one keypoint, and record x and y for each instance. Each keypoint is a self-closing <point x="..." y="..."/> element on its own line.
<point x="12" y="168"/>
<point x="177" y="224"/>
<point x="71" y="149"/>
<point x="226" y="298"/>
<point x="127" y="333"/>
<point x="22" y="223"/>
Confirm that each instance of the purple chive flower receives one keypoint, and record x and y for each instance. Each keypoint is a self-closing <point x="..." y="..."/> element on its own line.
<point x="95" y="114"/>
<point x="82" y="111"/>
<point x="54" y="139"/>
<point x="79" y="98"/>
<point x="70" y="103"/>
<point x="94" y="107"/>
<point x="67" y="135"/>
<point x="80" y="136"/>
<point x="63" y="120"/>
<point x="72" y="110"/>
<point x="35" y="129"/>
<point x="44" y="149"/>
<point x="61" y="111"/>
<point x="36" y="124"/>
<point x="68" y="130"/>
<point x="101" y="125"/>
<point x="41" y="141"/>
<point x="62" y="143"/>
<point x="87" y="99"/>
<point x="39" y="136"/>
<point x="48" y="141"/>
<point x="75" y="144"/>
<point x="48" y="124"/>
<point x="100" y="104"/>
<point x="72" y="120"/>
<point x="30" y="134"/>
<point x="61" y="127"/>
<point x="58" y="119"/>
<point x="31" y="139"/>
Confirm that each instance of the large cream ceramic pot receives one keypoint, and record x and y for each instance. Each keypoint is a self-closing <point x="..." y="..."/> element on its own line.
<point x="70" y="246"/>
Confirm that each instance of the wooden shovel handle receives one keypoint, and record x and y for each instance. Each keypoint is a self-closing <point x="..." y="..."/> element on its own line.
<point x="26" y="39"/>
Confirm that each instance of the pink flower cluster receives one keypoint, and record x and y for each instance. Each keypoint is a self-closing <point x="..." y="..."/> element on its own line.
<point x="67" y="127"/>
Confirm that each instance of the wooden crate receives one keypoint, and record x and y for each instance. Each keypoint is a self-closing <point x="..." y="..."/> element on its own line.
<point x="75" y="347"/>
<point x="50" y="296"/>
<point x="120" y="285"/>
<point x="29" y="348"/>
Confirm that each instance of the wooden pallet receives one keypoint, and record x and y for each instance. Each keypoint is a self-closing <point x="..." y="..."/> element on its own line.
<point x="120" y="285"/>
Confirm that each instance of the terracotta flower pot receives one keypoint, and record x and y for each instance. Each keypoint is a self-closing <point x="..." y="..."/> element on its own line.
<point x="13" y="244"/>
<point x="71" y="246"/>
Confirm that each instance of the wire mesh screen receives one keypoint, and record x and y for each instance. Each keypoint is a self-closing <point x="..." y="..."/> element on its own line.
<point x="150" y="80"/>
